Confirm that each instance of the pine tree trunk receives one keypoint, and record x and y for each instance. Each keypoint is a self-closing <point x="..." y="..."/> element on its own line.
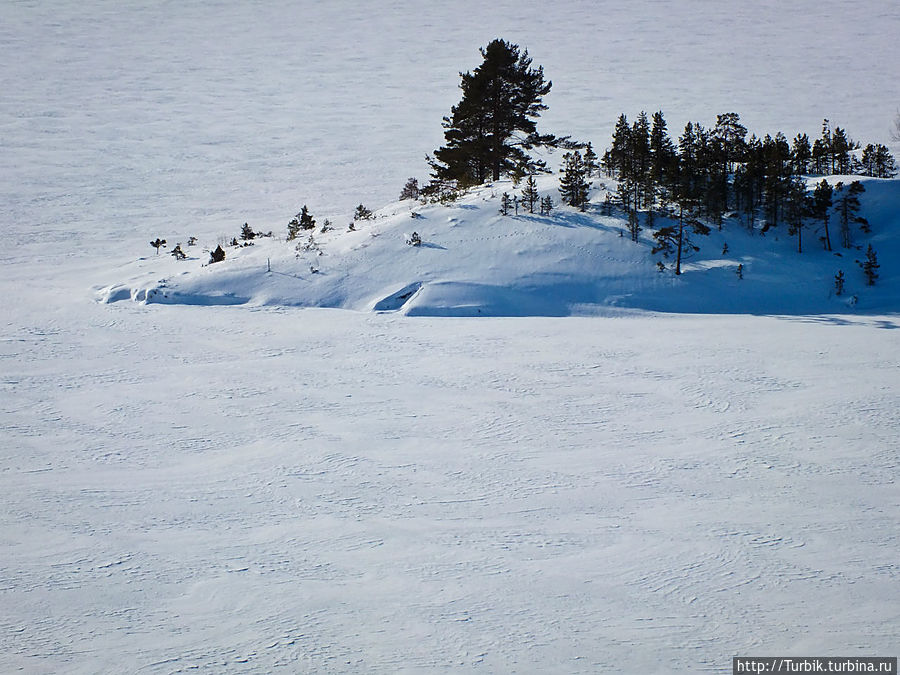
<point x="680" y="240"/>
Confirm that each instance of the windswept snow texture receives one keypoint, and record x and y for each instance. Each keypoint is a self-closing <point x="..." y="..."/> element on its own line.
<point x="264" y="488"/>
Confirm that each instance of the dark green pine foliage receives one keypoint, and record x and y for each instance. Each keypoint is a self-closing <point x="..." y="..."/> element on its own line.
<point x="490" y="129"/>
<point x="819" y="207"/>
<point x="505" y="203"/>
<point x="574" y="185"/>
<point x="616" y="160"/>
<point x="547" y="205"/>
<point x="878" y="162"/>
<point x="795" y="209"/>
<point x="870" y="266"/>
<point x="847" y="206"/>
<point x="663" y="156"/>
<point x="247" y="232"/>
<point x="801" y="154"/>
<point x="590" y="161"/>
<point x="530" y="194"/>
<point x="777" y="177"/>
<point x="727" y="138"/>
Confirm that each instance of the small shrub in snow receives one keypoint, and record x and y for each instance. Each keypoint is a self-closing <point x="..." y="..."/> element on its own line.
<point x="362" y="213"/>
<point x="410" y="190"/>
<point x="177" y="253"/>
<point x="414" y="239"/>
<point x="247" y="232"/>
<point x="192" y="241"/>
<point x="839" y="283"/>
<point x="157" y="244"/>
<point x="870" y="266"/>
<point x="217" y="256"/>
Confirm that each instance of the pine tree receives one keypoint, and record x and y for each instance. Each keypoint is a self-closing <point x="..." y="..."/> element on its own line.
<point x="617" y="160"/>
<point x="546" y="205"/>
<point x="878" y="162"/>
<point x="493" y="125"/>
<point x="801" y="154"/>
<point x="247" y="232"/>
<point x="410" y="190"/>
<point x="848" y="206"/>
<point x="820" y="204"/>
<point x="663" y="157"/>
<point x="362" y="213"/>
<point x="157" y="244"/>
<point x="795" y="209"/>
<point x="306" y="220"/>
<point x="870" y="266"/>
<point x="217" y="256"/>
<point x="839" y="283"/>
<point x="505" y="203"/>
<point x="574" y="186"/>
<point x="530" y="194"/>
<point x="634" y="225"/>
<point x="590" y="160"/>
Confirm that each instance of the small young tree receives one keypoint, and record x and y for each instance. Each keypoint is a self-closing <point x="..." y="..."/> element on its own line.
<point x="530" y="194"/>
<point x="247" y="232"/>
<point x="362" y="213"/>
<point x="547" y="205"/>
<point x="157" y="244"/>
<point x="217" y="256"/>
<point x="870" y="266"/>
<point x="177" y="253"/>
<point x="505" y="203"/>
<point x="574" y="185"/>
<point x="410" y="190"/>
<point x="839" y="283"/>
<point x="590" y="161"/>
<point x="306" y="220"/>
<point x="634" y="225"/>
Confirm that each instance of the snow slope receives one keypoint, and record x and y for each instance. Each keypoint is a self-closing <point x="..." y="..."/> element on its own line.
<point x="476" y="262"/>
<point x="274" y="488"/>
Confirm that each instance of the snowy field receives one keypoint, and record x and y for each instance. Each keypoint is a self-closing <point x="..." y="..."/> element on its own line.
<point x="248" y="489"/>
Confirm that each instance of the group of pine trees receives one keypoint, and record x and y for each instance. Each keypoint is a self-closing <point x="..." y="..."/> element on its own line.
<point x="709" y="173"/>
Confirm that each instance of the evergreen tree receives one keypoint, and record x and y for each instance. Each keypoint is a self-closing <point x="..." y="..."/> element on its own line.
<point x="617" y="160"/>
<point x="247" y="232"/>
<point x="848" y="206"/>
<point x="530" y="194"/>
<point x="801" y="154"/>
<point x="362" y="213"/>
<point x="547" y="205"/>
<point x="217" y="256"/>
<point x="870" y="266"/>
<point x="493" y="125"/>
<point x="505" y="203"/>
<point x="819" y="206"/>
<point x="841" y="145"/>
<point x="728" y="136"/>
<point x="676" y="239"/>
<point x="574" y="186"/>
<point x="157" y="244"/>
<point x="410" y="190"/>
<point x="590" y="161"/>
<point x="878" y="162"/>
<point x="795" y="209"/>
<point x="663" y="157"/>
<point x="839" y="283"/>
<point x="634" y="225"/>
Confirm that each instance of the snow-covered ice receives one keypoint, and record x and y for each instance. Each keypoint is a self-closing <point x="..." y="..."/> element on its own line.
<point x="271" y="487"/>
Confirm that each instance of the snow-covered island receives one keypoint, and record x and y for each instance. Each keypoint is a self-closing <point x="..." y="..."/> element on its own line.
<point x="449" y="439"/>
